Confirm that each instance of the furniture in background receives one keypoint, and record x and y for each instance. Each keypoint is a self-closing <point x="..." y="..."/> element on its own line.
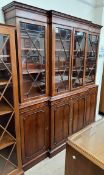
<point x="10" y="148"/>
<point x="85" y="151"/>
<point x="56" y="60"/>
<point x="101" y="107"/>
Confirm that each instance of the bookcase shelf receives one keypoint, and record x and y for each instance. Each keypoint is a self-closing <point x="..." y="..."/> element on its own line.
<point x="33" y="71"/>
<point x="5" y="109"/>
<point x="6" y="141"/>
<point x="3" y="82"/>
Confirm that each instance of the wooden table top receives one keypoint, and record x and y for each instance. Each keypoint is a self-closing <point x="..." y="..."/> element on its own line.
<point x="90" y="142"/>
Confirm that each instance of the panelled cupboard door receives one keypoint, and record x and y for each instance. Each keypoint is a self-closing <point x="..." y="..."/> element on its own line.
<point x="90" y="107"/>
<point x="60" y="123"/>
<point x="78" y="113"/>
<point x="32" y="49"/>
<point x="34" y="133"/>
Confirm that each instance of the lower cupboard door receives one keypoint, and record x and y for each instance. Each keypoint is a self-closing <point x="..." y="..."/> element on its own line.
<point x="78" y="114"/>
<point x="34" y="134"/>
<point x="90" y="108"/>
<point x="60" y="124"/>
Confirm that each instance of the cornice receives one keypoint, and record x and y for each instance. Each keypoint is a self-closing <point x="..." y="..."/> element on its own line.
<point x="18" y="5"/>
<point x="72" y="18"/>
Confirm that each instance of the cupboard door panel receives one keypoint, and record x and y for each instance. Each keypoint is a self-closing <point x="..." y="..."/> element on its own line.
<point x="34" y="133"/>
<point x="78" y="114"/>
<point x="58" y="120"/>
<point x="93" y="106"/>
<point x="87" y="118"/>
<point x="60" y="123"/>
<point x="66" y="122"/>
<point x="90" y="108"/>
<point x="34" y="129"/>
<point x="75" y="116"/>
<point x="81" y="114"/>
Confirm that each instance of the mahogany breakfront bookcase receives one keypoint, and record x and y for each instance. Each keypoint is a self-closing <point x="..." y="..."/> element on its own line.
<point x="57" y="60"/>
<point x="10" y="149"/>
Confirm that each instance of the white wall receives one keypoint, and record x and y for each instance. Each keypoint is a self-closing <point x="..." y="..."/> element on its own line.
<point x="100" y="61"/>
<point x="80" y="8"/>
<point x="87" y="9"/>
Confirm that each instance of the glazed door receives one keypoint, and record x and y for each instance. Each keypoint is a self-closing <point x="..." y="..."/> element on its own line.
<point x="62" y="58"/>
<point x="79" y="53"/>
<point x="32" y="59"/>
<point x="10" y="154"/>
<point x="91" y="58"/>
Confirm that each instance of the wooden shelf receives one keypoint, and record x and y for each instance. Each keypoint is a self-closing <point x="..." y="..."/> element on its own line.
<point x="33" y="71"/>
<point x="4" y="56"/>
<point x="6" y="141"/>
<point x="39" y="83"/>
<point x="63" y="40"/>
<point x="4" y="109"/>
<point x="62" y="70"/>
<point x="62" y="50"/>
<point x="32" y="49"/>
<point x="3" y="82"/>
<point x="9" y="167"/>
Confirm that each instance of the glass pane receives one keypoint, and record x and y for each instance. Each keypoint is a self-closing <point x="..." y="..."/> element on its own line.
<point x="62" y="62"/>
<point x="91" y="58"/>
<point x="5" y="62"/>
<point x="33" y="59"/>
<point x="78" y="60"/>
<point x="5" y="65"/>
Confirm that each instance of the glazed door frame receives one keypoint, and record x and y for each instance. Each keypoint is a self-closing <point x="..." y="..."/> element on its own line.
<point x="10" y="30"/>
<point x="94" y="34"/>
<point x="86" y="32"/>
<point x="53" y="57"/>
<point x="28" y="21"/>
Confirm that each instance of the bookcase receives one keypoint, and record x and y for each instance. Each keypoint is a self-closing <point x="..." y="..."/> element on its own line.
<point x="56" y="60"/>
<point x="10" y="151"/>
<point x="33" y="72"/>
<point x="73" y="61"/>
